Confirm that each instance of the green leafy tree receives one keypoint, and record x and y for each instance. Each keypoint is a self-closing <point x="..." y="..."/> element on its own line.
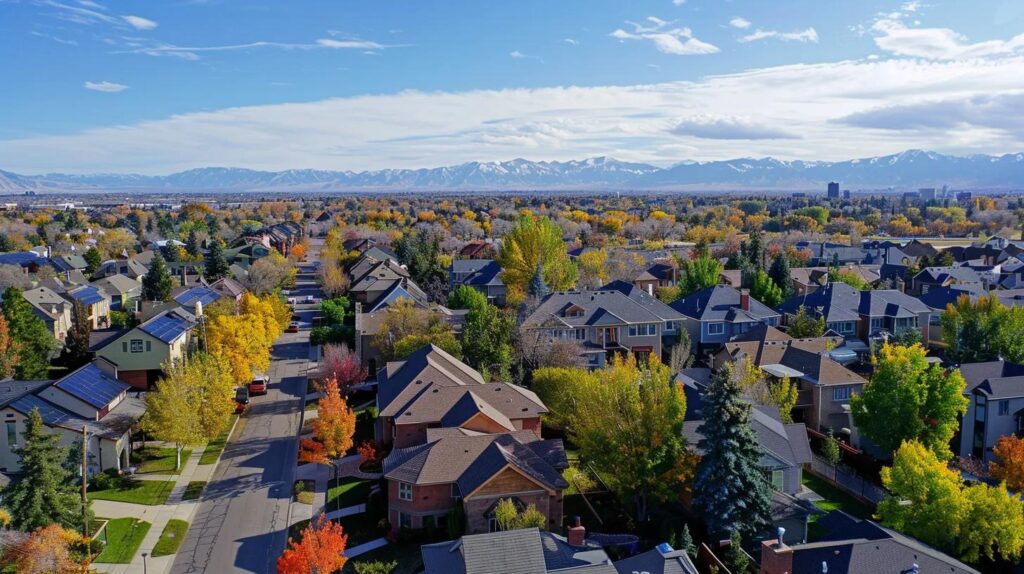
<point x="375" y="567"/>
<point x="465" y="297"/>
<point x="783" y="394"/>
<point x="76" y="346"/>
<point x="830" y="449"/>
<point x="731" y="491"/>
<point x="802" y="325"/>
<point x="908" y="399"/>
<point x="851" y="278"/>
<point x="334" y="310"/>
<point x="765" y="290"/>
<point x="994" y="526"/>
<point x="157" y="283"/>
<point x="983" y="330"/>
<point x="93" y="260"/>
<point x="627" y="421"/>
<point x="509" y="517"/>
<point x="700" y="273"/>
<point x="557" y="387"/>
<point x="34" y="341"/>
<point x="487" y="339"/>
<point x="780" y="274"/>
<point x="533" y="242"/>
<point x="216" y="266"/>
<point x="46" y="493"/>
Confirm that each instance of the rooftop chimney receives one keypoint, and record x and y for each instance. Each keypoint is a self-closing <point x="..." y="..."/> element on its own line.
<point x="577" y="533"/>
<point x="199" y="309"/>
<point x="776" y="557"/>
<point x="744" y="299"/>
<point x="184" y="276"/>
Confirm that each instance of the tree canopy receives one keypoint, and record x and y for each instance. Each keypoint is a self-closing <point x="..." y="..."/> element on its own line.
<point x="983" y="330"/>
<point x="157" y="283"/>
<point x="319" y="549"/>
<point x="45" y="494"/>
<point x="533" y="242"/>
<point x="33" y="340"/>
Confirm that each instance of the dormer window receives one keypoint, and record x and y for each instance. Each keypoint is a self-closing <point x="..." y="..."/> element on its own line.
<point x="574" y="311"/>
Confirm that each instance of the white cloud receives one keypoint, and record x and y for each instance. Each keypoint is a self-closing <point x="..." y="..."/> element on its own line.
<point x="517" y="54"/>
<point x="109" y="87"/>
<point x="348" y="44"/>
<point x="678" y="2"/>
<point x="139" y="23"/>
<point x="141" y="46"/>
<point x="571" y="41"/>
<point x="808" y="35"/>
<point x="675" y="41"/>
<point x="893" y="35"/>
<point x="740" y="23"/>
<point x="819" y="103"/>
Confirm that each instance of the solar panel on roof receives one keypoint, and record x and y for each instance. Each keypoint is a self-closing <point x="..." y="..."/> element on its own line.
<point x="166" y="328"/>
<point x="203" y="295"/>
<point x="92" y="385"/>
<point x="87" y="295"/>
<point x="51" y="414"/>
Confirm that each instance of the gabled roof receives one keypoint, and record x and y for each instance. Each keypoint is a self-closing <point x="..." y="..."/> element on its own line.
<point x="599" y="308"/>
<point x="117" y="284"/>
<point x="525" y="551"/>
<point x="722" y="303"/>
<point x="200" y="294"/>
<point x="87" y="295"/>
<point x="786" y="443"/>
<point x="427" y="365"/>
<point x="480" y="271"/>
<point x="167" y="326"/>
<point x="660" y="560"/>
<point x="91" y="385"/>
<point x="652" y="304"/>
<point x="228" y="287"/>
<point x="997" y="379"/>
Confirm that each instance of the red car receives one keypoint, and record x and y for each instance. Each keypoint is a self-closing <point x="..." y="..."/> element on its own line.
<point x="258" y="386"/>
<point x="293" y="327"/>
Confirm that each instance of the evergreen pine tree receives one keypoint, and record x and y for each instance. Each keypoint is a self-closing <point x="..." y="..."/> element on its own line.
<point x="216" y="265"/>
<point x="76" y="346"/>
<point x="46" y="493"/>
<point x="686" y="541"/>
<point x="192" y="245"/>
<point x="779" y="272"/>
<point x="28" y="331"/>
<point x="93" y="260"/>
<point x="731" y="491"/>
<point x="157" y="284"/>
<point x="5" y="243"/>
<point x="538" y="287"/>
<point x="736" y="560"/>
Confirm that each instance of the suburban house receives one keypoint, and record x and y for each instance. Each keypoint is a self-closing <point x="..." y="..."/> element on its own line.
<point x="121" y="291"/>
<point x="229" y="288"/>
<point x="484" y="275"/>
<point x="662" y="559"/>
<point x="809" y="279"/>
<point x="477" y="249"/>
<point x="200" y="294"/>
<point x="246" y="254"/>
<point x="719" y="313"/>
<point x="280" y="236"/>
<point x="932" y="277"/>
<point x="95" y="302"/>
<point x="785" y="450"/>
<point x="602" y="322"/>
<point x="369" y="324"/>
<point x="431" y="389"/>
<point x="127" y="266"/>
<point x="861" y="315"/>
<point x="458" y="468"/>
<point x="995" y="391"/>
<point x="29" y="261"/>
<point x="824" y="386"/>
<point x="381" y="282"/>
<point x="525" y="551"/>
<point x="854" y="546"/>
<point x="53" y="309"/>
<point x="141" y="352"/>
<point x="90" y="398"/>
<point x="657" y="275"/>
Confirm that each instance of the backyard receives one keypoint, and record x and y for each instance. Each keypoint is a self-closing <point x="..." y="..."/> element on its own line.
<point x="833" y="499"/>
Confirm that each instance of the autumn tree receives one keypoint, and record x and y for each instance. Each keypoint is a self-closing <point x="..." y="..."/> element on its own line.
<point x="51" y="549"/>
<point x="320" y="549"/>
<point x="593" y="272"/>
<point x="269" y="273"/>
<point x="244" y="340"/>
<point x="910" y="399"/>
<point x="531" y="243"/>
<point x="30" y="335"/>
<point x="983" y="330"/>
<point x="9" y="350"/>
<point x="407" y="327"/>
<point x="1009" y="450"/>
<point x="731" y="491"/>
<point x="804" y="326"/>
<point x="510" y="517"/>
<point x="45" y="494"/>
<point x="335" y="422"/>
<point x="627" y="421"/>
<point x="342" y="365"/>
<point x="157" y="283"/>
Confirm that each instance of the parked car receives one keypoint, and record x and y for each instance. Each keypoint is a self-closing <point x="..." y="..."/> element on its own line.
<point x="258" y="386"/>
<point x="293" y="327"/>
<point x="241" y="399"/>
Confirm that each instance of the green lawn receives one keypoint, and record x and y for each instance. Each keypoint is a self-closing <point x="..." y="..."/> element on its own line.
<point x="171" y="538"/>
<point x="216" y="446"/>
<point x="150" y="492"/>
<point x="159" y="460"/>
<point x="347" y="491"/>
<point x="834" y="499"/>
<point x="362" y="527"/>
<point x="194" y="490"/>
<point x="123" y="536"/>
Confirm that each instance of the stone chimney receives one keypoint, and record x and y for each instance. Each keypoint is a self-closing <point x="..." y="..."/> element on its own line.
<point x="577" y="533"/>
<point x="776" y="556"/>
<point x="184" y="276"/>
<point x="744" y="299"/>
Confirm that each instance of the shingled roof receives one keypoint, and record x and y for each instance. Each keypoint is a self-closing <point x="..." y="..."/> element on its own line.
<point x="722" y="303"/>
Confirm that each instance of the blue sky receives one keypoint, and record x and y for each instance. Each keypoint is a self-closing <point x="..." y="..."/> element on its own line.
<point x="158" y="86"/>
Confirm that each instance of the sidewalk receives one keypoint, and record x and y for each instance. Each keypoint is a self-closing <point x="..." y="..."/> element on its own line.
<point x="157" y="516"/>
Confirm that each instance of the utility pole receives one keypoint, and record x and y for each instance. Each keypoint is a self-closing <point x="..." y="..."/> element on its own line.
<point x="85" y="478"/>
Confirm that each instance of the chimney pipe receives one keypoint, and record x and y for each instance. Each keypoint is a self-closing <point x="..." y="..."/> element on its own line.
<point x="577" y="533"/>
<point x="744" y="299"/>
<point x="184" y="276"/>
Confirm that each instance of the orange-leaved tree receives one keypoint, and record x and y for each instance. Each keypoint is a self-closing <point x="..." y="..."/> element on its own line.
<point x="319" y="550"/>
<point x="335" y="422"/>
<point x="1009" y="450"/>
<point x="49" y="550"/>
<point x="312" y="451"/>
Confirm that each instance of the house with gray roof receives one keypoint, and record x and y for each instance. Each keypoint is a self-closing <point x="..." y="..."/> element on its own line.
<point x="141" y="352"/>
<point x="854" y="546"/>
<point x="931" y="277"/>
<point x="121" y="291"/>
<point x="662" y="559"/>
<point x="605" y="321"/>
<point x="995" y="408"/>
<point x="431" y="389"/>
<point x="524" y="551"/>
<point x="90" y="398"/>
<point x="53" y="309"/>
<point x="478" y="470"/>
<point x="861" y="315"/>
<point x="719" y="313"/>
<point x="484" y="275"/>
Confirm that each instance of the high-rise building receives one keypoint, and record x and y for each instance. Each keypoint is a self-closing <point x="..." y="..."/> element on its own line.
<point x="833" y="190"/>
<point x="927" y="193"/>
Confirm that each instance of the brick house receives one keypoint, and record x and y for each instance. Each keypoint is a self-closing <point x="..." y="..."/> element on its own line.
<point x="456" y="468"/>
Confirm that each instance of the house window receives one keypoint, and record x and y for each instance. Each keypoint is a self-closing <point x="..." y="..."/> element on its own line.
<point x="581" y="334"/>
<point x="980" y="405"/>
<point x="842" y="393"/>
<point x="847" y="327"/>
<point x="777" y="480"/>
<point x="876" y="324"/>
<point x="12" y="433"/>
<point x="643" y="330"/>
<point x="1004" y="408"/>
<point x="136" y="345"/>
<point x="716" y="328"/>
<point x="404" y="520"/>
<point x="492" y="525"/>
<point x="404" y="491"/>
<point x="149" y="346"/>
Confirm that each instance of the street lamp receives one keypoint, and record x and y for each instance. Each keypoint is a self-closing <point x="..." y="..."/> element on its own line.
<point x="145" y="568"/>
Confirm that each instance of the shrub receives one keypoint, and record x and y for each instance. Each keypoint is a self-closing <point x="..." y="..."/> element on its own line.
<point x="375" y="567"/>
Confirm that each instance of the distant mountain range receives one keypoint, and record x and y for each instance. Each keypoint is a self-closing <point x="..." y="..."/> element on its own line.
<point x="904" y="170"/>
